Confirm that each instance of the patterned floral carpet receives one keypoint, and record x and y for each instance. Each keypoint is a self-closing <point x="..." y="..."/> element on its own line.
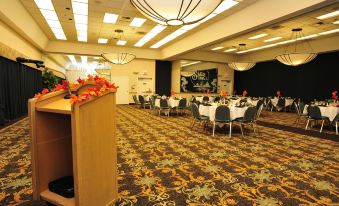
<point x="162" y="162"/>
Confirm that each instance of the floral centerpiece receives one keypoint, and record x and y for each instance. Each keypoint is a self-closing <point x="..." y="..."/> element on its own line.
<point x="223" y="93"/>
<point x="101" y="85"/>
<point x="278" y="93"/>
<point x="244" y="93"/>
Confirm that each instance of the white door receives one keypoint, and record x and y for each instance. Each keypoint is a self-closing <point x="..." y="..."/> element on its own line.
<point x="122" y="96"/>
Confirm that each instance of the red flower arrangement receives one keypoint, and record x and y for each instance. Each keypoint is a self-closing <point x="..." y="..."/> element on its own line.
<point x="278" y="93"/>
<point x="208" y="93"/>
<point x="223" y="93"/>
<point x="334" y="95"/>
<point x="102" y="85"/>
<point x="244" y="93"/>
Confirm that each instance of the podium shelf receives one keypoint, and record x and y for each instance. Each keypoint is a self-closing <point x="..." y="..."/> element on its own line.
<point x="57" y="199"/>
<point x="61" y="106"/>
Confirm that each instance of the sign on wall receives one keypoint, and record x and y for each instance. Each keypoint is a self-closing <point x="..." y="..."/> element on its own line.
<point x="200" y="81"/>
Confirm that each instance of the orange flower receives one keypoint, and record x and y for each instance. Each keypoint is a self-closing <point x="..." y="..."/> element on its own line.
<point x="90" y="78"/>
<point x="44" y="91"/>
<point x="81" y="81"/>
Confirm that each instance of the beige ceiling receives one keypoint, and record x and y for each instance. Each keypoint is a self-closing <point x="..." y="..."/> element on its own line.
<point x="98" y="29"/>
<point x="308" y="22"/>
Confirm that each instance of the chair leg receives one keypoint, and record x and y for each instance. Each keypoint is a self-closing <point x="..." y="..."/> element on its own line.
<point x="213" y="128"/>
<point x="322" y="124"/>
<point x="242" y="133"/>
<point x="307" y="124"/>
<point x="193" y="123"/>
<point x="253" y="129"/>
<point x="336" y="128"/>
<point x="230" y="129"/>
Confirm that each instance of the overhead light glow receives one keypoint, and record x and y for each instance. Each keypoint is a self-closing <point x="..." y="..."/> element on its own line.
<point x="80" y="8"/>
<point x="72" y="58"/>
<point x="258" y="36"/>
<point x="102" y="41"/>
<point x="137" y="22"/>
<point x="192" y="63"/>
<point x="151" y="34"/>
<point x="110" y="18"/>
<point x="48" y="12"/>
<point x="329" y="32"/>
<point x="273" y="39"/>
<point x="217" y="48"/>
<point x="230" y="50"/>
<point x="121" y="42"/>
<point x="329" y="15"/>
<point x="84" y="59"/>
<point x="336" y="22"/>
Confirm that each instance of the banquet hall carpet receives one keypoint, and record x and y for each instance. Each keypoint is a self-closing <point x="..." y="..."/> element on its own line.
<point x="163" y="162"/>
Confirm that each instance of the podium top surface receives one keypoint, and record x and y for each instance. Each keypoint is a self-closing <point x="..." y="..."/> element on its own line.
<point x="62" y="106"/>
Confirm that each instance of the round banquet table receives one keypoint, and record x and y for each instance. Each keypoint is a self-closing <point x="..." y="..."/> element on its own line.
<point x="209" y="111"/>
<point x="329" y="112"/>
<point x="171" y="102"/>
<point x="288" y="102"/>
<point x="199" y="99"/>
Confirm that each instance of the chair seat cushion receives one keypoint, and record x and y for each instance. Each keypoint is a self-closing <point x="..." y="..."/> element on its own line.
<point x="202" y="117"/>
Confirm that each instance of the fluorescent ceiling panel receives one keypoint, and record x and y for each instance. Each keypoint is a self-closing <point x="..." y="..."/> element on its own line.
<point x="329" y="32"/>
<point x="258" y="36"/>
<point x="80" y="8"/>
<point x="43" y="4"/>
<point x="49" y="14"/>
<point x="84" y="59"/>
<point x="230" y="50"/>
<point x="121" y="42"/>
<point x="151" y="34"/>
<point x="273" y="39"/>
<point x="185" y="65"/>
<point x="336" y="22"/>
<point x="72" y="58"/>
<point x="137" y="22"/>
<point x="217" y="48"/>
<point x="329" y="15"/>
<point x="110" y="18"/>
<point x="80" y="11"/>
<point x="102" y="41"/>
<point x="80" y="19"/>
<point x="54" y="24"/>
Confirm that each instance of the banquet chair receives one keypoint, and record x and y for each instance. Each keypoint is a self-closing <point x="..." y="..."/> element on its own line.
<point x="249" y="118"/>
<point x="335" y="123"/>
<point x="182" y="106"/>
<point x="314" y="114"/>
<point x="164" y="106"/>
<point x="299" y="109"/>
<point x="143" y="103"/>
<point x="197" y="117"/>
<point x="136" y="100"/>
<point x="205" y="99"/>
<point x="152" y="103"/>
<point x="222" y="115"/>
<point x="281" y="104"/>
<point x="259" y="109"/>
<point x="217" y="99"/>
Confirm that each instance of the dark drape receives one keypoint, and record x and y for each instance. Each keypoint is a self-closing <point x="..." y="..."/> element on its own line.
<point x="18" y="83"/>
<point x="314" y="80"/>
<point x="163" y="73"/>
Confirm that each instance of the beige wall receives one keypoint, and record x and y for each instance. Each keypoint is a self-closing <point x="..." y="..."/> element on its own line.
<point x="224" y="73"/>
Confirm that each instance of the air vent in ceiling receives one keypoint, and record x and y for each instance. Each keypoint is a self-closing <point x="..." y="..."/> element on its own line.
<point x="141" y="33"/>
<point x="125" y="18"/>
<point x="276" y="27"/>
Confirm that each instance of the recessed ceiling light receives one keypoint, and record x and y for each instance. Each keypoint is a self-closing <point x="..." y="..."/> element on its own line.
<point x="185" y="65"/>
<point x="329" y="15"/>
<point x="60" y="36"/>
<point x="49" y="14"/>
<point x="121" y="42"/>
<point x="80" y="12"/>
<point x="80" y="19"/>
<point x="329" y="32"/>
<point x="336" y="22"/>
<point x="82" y="38"/>
<point x="110" y="18"/>
<point x="96" y="57"/>
<point x="230" y="50"/>
<point x="54" y="24"/>
<point x="81" y="27"/>
<point x="102" y="41"/>
<point x="273" y="39"/>
<point x="80" y="8"/>
<point x="217" y="48"/>
<point x="258" y="36"/>
<point x="137" y="22"/>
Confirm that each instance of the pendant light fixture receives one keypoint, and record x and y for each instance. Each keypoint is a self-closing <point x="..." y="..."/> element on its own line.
<point x="119" y="57"/>
<point x="176" y="12"/>
<point x="242" y="65"/>
<point x="294" y="55"/>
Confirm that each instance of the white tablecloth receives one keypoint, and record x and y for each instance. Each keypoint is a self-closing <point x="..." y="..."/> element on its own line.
<point x="288" y="102"/>
<point x="171" y="102"/>
<point x="209" y="111"/>
<point x="329" y="112"/>
<point x="199" y="99"/>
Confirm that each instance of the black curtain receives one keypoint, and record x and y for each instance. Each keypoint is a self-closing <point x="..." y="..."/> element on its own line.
<point x="163" y="74"/>
<point x="314" y="80"/>
<point x="18" y="83"/>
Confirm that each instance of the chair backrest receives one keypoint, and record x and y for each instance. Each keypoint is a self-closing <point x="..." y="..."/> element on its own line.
<point x="216" y="99"/>
<point x="222" y="113"/>
<point x="195" y="111"/>
<point x="250" y="114"/>
<point x="281" y="102"/>
<point x="314" y="112"/>
<point x="301" y="107"/>
<point x="205" y="99"/>
<point x="135" y="99"/>
<point x="163" y="103"/>
<point x="141" y="99"/>
<point x="259" y="110"/>
<point x="259" y="103"/>
<point x="182" y="103"/>
<point x="152" y="101"/>
<point x="296" y="108"/>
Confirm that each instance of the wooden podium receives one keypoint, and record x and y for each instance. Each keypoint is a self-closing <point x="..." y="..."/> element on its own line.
<point x="74" y="140"/>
